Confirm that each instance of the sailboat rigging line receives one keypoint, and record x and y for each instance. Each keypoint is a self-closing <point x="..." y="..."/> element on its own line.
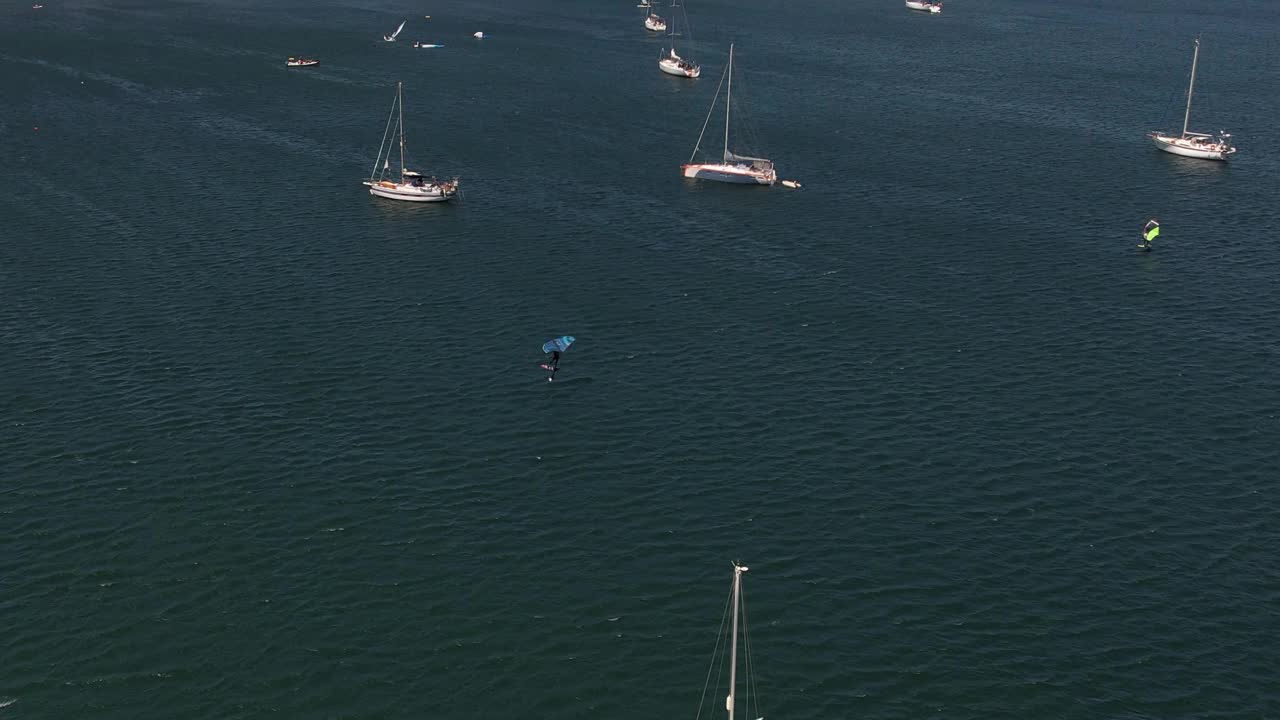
<point x="1168" y="107"/>
<point x="385" y="133"/>
<point x="715" y="654"/>
<point x="688" y="26"/>
<point x="746" y="132"/>
<point x="715" y="99"/>
<point x="752" y="691"/>
<point x="399" y="94"/>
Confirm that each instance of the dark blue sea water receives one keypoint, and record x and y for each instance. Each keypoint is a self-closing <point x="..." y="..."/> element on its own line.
<point x="274" y="448"/>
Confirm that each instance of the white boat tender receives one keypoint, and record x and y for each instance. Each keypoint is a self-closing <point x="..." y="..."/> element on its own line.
<point x="732" y="168"/>
<point x="412" y="186"/>
<point x="925" y="6"/>
<point x="1190" y="144"/>
<point x="301" y="62"/>
<point x="392" y="37"/>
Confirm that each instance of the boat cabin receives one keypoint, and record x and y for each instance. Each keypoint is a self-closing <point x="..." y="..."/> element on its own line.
<point x="417" y="179"/>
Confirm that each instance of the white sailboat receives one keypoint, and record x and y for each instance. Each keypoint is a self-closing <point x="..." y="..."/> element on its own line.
<point x="732" y="168"/>
<point x="669" y="61"/>
<point x="392" y="37"/>
<point x="1189" y="144"/>
<point x="412" y="186"/>
<point x="654" y="23"/>
<point x="732" y="701"/>
<point x="924" y="6"/>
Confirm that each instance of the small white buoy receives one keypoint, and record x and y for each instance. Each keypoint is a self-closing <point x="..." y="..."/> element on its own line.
<point x="790" y="183"/>
<point x="478" y="36"/>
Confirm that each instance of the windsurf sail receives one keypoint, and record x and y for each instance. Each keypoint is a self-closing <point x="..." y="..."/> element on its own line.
<point x="1151" y="231"/>
<point x="559" y="344"/>
<point x="397" y="32"/>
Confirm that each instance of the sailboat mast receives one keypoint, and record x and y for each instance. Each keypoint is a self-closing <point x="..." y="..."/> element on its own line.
<point x="400" y="97"/>
<point x="728" y="98"/>
<point x="671" y="25"/>
<point x="737" y="601"/>
<point x="1190" y="88"/>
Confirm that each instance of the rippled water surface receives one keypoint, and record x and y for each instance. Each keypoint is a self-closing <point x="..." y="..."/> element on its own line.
<point x="274" y="448"/>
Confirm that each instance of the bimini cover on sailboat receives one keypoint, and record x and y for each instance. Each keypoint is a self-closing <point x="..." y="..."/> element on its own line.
<point x="761" y="163"/>
<point x="560" y="344"/>
<point x="1151" y="231"/>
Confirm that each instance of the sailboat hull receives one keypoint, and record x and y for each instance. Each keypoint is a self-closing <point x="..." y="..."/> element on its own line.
<point x="411" y="193"/>
<point x="1192" y="147"/>
<point x="924" y="6"/>
<point x="674" y="67"/>
<point x="733" y="174"/>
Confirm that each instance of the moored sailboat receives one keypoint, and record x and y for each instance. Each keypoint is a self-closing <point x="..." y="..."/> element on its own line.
<point x="670" y="61"/>
<point x="925" y="6"/>
<point x="732" y="168"/>
<point x="412" y="186"/>
<point x="1190" y="144"/>
<point x="672" y="64"/>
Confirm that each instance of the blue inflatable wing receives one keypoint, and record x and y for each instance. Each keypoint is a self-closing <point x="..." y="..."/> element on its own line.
<point x="561" y="343"/>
